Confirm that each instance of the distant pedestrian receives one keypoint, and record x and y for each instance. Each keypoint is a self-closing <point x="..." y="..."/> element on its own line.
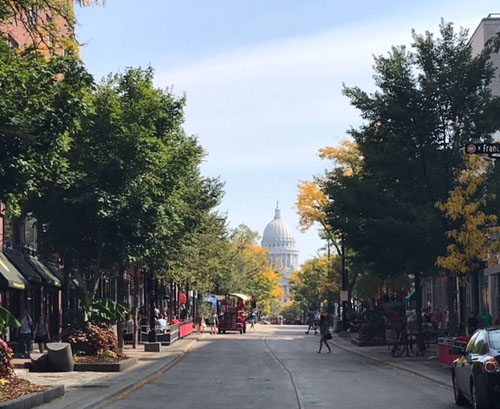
<point x="438" y="318"/>
<point x="472" y="323"/>
<point x="199" y="322"/>
<point x="324" y="330"/>
<point x="213" y="321"/>
<point x="311" y="318"/>
<point x="42" y="334"/>
<point x="25" y="333"/>
<point x="253" y="319"/>
<point x="484" y="319"/>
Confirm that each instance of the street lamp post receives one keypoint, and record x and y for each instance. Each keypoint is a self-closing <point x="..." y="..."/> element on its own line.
<point x="152" y="296"/>
<point x="344" y="285"/>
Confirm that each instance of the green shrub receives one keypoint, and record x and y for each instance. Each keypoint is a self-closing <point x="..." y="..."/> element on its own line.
<point x="93" y="341"/>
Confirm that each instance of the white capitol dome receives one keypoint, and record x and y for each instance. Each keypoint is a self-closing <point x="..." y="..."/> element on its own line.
<point x="278" y="233"/>
<point x="278" y="239"/>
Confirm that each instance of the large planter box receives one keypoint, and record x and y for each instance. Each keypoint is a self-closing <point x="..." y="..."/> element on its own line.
<point x="105" y="367"/>
<point x="166" y="338"/>
<point x="34" y="399"/>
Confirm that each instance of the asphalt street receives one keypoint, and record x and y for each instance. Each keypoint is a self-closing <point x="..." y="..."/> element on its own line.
<point x="279" y="368"/>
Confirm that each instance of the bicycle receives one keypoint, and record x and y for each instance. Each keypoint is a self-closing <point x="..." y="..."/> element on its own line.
<point x="406" y="341"/>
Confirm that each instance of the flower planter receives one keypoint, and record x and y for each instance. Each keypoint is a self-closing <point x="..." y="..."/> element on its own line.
<point x="34" y="399"/>
<point x="105" y="366"/>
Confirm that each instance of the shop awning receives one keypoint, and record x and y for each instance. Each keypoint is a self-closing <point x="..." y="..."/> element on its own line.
<point x="24" y="267"/>
<point x="492" y="270"/>
<point x="411" y="296"/>
<point x="9" y="276"/>
<point x="60" y="275"/>
<point x="244" y="297"/>
<point x="48" y="278"/>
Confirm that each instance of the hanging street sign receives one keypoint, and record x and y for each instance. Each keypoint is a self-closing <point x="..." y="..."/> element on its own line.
<point x="490" y="149"/>
<point x="344" y="296"/>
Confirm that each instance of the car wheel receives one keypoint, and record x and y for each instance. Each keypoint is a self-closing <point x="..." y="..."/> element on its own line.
<point x="477" y="401"/>
<point x="459" y="398"/>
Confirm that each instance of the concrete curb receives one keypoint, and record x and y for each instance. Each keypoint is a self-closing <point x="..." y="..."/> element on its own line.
<point x="34" y="399"/>
<point x="396" y="366"/>
<point x="129" y="382"/>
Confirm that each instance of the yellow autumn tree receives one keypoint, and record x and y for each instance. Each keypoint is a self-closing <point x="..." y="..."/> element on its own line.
<point x="311" y="285"/>
<point x="251" y="270"/>
<point x="476" y="233"/>
<point x="347" y="156"/>
<point x="312" y="201"/>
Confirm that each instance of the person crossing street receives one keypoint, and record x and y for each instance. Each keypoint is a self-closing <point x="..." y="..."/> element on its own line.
<point x="253" y="319"/>
<point x="324" y="331"/>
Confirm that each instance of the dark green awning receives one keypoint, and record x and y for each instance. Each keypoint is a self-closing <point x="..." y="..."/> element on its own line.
<point x="60" y="275"/>
<point x="411" y="296"/>
<point x="48" y="278"/>
<point x="24" y="267"/>
<point x="9" y="276"/>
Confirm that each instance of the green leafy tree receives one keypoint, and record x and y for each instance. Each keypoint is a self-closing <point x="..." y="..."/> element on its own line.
<point x="431" y="100"/>
<point x="250" y="271"/>
<point x="134" y="178"/>
<point x="41" y="107"/>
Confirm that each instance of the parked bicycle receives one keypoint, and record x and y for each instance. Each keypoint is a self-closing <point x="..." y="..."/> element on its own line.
<point x="409" y="342"/>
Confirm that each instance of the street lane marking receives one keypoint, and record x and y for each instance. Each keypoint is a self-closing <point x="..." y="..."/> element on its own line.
<point x="287" y="370"/>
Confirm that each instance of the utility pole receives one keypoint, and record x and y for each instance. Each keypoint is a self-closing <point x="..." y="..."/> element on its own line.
<point x="330" y="279"/>
<point x="152" y="296"/>
<point x="344" y="285"/>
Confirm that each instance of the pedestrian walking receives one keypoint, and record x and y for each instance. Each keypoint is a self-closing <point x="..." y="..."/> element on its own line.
<point x="484" y="319"/>
<point x="213" y="321"/>
<point x="200" y="320"/>
<point x="438" y="318"/>
<point x="25" y="333"/>
<point x="42" y="334"/>
<point x="253" y="319"/>
<point x="311" y="318"/>
<point x="324" y="330"/>
<point x="472" y="323"/>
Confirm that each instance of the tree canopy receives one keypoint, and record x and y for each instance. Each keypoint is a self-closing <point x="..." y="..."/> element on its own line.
<point x="42" y="103"/>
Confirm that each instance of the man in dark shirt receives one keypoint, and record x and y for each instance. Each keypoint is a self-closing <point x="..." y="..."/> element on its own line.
<point x="310" y="322"/>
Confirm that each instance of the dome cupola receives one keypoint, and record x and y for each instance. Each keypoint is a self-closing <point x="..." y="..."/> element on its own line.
<point x="278" y="233"/>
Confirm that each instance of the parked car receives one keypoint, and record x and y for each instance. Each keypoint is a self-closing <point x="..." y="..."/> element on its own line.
<point x="476" y="374"/>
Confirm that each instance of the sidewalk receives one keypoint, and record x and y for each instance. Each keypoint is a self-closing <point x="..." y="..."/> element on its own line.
<point x="427" y="366"/>
<point x="93" y="389"/>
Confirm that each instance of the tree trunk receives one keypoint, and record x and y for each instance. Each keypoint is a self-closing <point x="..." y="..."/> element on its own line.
<point x="135" y="307"/>
<point x="121" y="296"/>
<point x="451" y="292"/>
<point x="68" y="265"/>
<point x="418" y="299"/>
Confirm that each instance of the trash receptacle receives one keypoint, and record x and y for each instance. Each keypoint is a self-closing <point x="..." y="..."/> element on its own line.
<point x="337" y="325"/>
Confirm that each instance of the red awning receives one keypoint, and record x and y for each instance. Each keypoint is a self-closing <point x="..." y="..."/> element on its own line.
<point x="182" y="298"/>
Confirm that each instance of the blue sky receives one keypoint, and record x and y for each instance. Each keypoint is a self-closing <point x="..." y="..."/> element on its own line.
<point x="263" y="79"/>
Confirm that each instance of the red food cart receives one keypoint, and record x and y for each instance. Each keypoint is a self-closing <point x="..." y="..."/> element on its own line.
<point x="232" y="314"/>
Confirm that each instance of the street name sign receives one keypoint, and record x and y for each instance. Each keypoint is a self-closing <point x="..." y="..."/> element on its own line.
<point x="490" y="149"/>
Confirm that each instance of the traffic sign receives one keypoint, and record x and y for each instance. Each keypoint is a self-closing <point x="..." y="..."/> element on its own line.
<point x="490" y="149"/>
<point x="344" y="296"/>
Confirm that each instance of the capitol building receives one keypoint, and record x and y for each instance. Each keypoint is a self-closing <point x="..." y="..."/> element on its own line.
<point x="278" y="239"/>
